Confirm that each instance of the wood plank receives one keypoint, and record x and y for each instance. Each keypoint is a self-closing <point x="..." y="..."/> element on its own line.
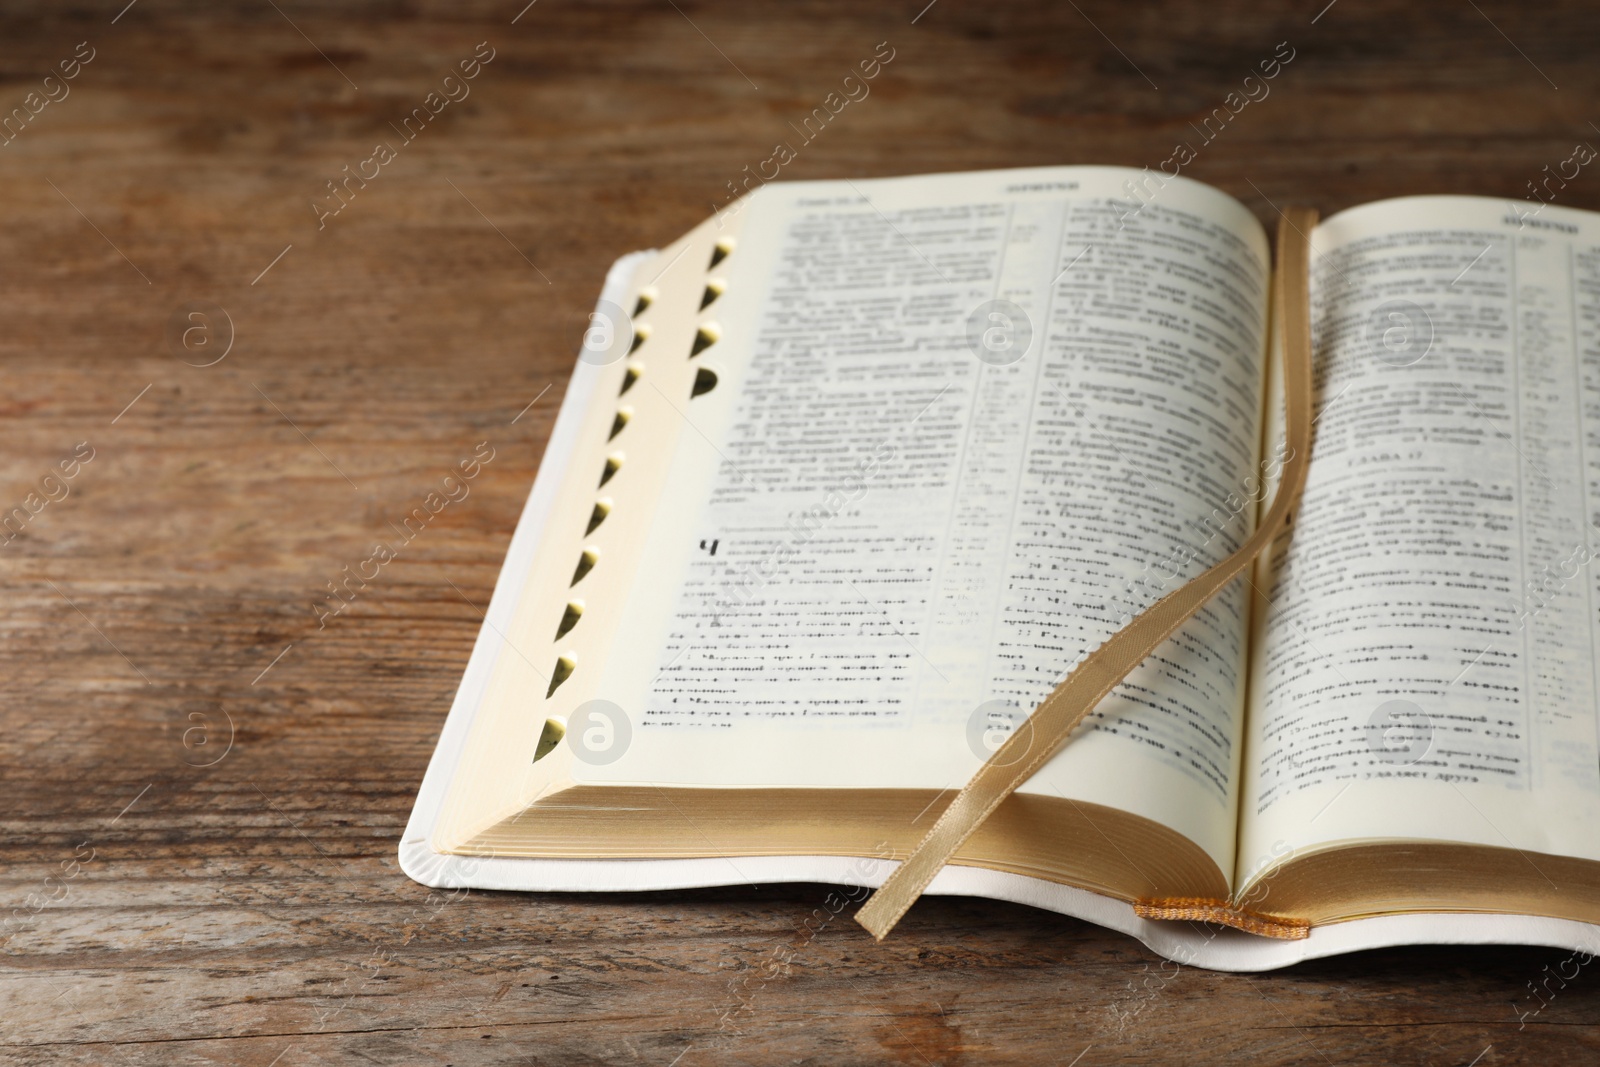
<point x="251" y="911"/>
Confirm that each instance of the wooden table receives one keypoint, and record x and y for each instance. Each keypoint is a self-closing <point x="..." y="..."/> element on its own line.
<point x="169" y="899"/>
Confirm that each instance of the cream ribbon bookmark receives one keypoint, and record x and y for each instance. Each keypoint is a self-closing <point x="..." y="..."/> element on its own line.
<point x="1048" y="728"/>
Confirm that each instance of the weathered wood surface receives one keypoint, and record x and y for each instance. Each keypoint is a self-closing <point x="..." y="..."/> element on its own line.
<point x="251" y="911"/>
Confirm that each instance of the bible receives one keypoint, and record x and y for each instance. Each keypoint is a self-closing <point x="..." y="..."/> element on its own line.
<point x="848" y="480"/>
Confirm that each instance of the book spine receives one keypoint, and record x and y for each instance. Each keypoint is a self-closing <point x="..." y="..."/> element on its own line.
<point x="1202" y="909"/>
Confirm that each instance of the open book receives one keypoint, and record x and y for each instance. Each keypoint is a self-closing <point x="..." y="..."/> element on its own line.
<point x="849" y="477"/>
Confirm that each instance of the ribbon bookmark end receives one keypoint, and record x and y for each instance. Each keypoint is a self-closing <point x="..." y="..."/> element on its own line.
<point x="873" y="924"/>
<point x="878" y="916"/>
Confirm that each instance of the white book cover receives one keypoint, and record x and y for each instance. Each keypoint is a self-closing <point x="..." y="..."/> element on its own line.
<point x="1186" y="943"/>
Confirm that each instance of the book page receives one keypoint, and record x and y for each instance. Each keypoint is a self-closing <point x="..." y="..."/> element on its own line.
<point x="1428" y="666"/>
<point x="964" y="427"/>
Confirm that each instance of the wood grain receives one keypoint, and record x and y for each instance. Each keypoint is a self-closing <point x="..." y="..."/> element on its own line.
<point x="251" y="911"/>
